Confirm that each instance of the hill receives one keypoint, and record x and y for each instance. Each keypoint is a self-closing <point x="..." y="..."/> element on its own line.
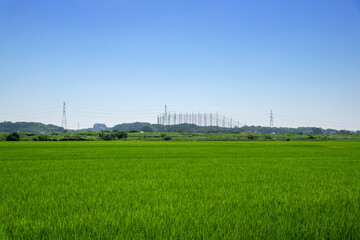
<point x="33" y="127"/>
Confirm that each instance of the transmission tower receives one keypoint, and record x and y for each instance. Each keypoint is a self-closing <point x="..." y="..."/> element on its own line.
<point x="165" y="119"/>
<point x="271" y="119"/>
<point x="63" y="124"/>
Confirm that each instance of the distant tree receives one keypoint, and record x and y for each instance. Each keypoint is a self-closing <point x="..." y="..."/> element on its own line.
<point x="72" y="138"/>
<point x="121" y="135"/>
<point x="344" y="132"/>
<point x="107" y="136"/>
<point x="311" y="137"/>
<point x="29" y="127"/>
<point x="251" y="137"/>
<point x="14" y="136"/>
<point x="165" y="137"/>
<point x="43" y="137"/>
<point x="133" y="131"/>
<point x="146" y="128"/>
<point x="317" y="131"/>
<point x="211" y="131"/>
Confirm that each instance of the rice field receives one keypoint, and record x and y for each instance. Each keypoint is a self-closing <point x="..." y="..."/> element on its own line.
<point x="179" y="190"/>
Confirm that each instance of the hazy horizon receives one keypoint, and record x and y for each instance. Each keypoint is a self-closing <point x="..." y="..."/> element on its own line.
<point x="115" y="62"/>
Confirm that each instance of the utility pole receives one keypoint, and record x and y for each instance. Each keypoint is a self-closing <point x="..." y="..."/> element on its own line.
<point x="271" y="119"/>
<point x="63" y="124"/>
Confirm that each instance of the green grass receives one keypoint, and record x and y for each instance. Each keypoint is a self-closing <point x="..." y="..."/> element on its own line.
<point x="179" y="190"/>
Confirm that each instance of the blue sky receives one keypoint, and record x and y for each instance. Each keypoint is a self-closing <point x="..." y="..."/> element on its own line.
<point x="122" y="61"/>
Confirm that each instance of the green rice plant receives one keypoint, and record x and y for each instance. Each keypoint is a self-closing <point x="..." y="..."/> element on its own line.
<point x="180" y="190"/>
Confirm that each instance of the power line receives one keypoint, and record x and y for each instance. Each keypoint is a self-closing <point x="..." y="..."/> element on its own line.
<point x="63" y="124"/>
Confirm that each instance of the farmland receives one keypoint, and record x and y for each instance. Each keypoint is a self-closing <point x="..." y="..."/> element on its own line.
<point x="180" y="136"/>
<point x="180" y="189"/>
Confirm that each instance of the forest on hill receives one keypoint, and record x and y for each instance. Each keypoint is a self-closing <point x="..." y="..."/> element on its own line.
<point x="36" y="127"/>
<point x="31" y="127"/>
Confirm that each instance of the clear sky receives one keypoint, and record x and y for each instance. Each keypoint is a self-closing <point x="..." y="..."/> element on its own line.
<point x="122" y="61"/>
